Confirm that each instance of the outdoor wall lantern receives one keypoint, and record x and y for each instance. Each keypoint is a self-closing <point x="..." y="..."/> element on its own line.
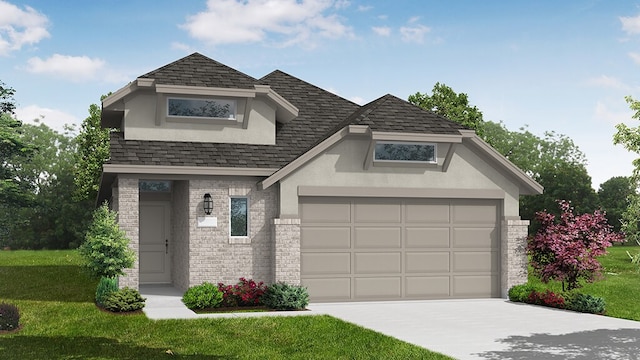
<point x="208" y="204"/>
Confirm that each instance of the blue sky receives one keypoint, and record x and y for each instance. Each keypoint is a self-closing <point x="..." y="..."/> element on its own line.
<point x="562" y="66"/>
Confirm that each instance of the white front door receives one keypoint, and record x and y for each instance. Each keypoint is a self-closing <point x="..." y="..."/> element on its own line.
<point x="155" y="263"/>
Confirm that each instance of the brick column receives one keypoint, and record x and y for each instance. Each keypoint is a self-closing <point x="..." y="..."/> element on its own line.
<point x="286" y="252"/>
<point x="514" y="253"/>
<point x="128" y="219"/>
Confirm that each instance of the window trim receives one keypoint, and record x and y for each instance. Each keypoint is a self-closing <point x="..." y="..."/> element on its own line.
<point x="233" y="113"/>
<point x="248" y="225"/>
<point x="420" y="162"/>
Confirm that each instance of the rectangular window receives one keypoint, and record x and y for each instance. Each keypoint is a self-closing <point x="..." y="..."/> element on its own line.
<point x="415" y="152"/>
<point x="201" y="108"/>
<point x="154" y="186"/>
<point x="239" y="216"/>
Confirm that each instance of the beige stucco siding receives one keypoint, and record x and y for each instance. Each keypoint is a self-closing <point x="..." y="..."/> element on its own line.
<point x="144" y="120"/>
<point x="343" y="165"/>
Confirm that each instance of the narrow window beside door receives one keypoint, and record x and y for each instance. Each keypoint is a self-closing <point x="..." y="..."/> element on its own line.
<point x="239" y="216"/>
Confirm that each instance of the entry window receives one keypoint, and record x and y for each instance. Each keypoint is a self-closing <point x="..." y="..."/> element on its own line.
<point x="201" y="108"/>
<point x="239" y="218"/>
<point x="410" y="152"/>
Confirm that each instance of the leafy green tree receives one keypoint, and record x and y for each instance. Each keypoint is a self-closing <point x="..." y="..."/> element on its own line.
<point x="613" y="196"/>
<point x="7" y="102"/>
<point x="629" y="138"/>
<point x="106" y="247"/>
<point x="93" y="150"/>
<point x="446" y="102"/>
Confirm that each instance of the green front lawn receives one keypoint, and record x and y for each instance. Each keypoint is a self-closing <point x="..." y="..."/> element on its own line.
<point x="620" y="286"/>
<point x="55" y="297"/>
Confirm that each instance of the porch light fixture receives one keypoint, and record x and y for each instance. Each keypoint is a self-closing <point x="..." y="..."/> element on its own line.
<point x="208" y="204"/>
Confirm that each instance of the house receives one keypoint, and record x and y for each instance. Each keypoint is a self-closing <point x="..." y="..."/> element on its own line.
<point x="217" y="175"/>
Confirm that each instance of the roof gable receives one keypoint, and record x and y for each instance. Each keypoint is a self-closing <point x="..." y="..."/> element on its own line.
<point x="199" y="70"/>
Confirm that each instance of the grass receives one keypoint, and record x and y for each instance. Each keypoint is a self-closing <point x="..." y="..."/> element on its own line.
<point x="60" y="321"/>
<point x="619" y="286"/>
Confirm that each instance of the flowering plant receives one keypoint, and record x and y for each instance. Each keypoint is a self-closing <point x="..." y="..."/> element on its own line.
<point x="566" y="250"/>
<point x="245" y="293"/>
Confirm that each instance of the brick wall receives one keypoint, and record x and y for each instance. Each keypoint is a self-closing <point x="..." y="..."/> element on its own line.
<point x="514" y="253"/>
<point x="180" y="235"/>
<point x="127" y="204"/>
<point x="286" y="250"/>
<point x="214" y="255"/>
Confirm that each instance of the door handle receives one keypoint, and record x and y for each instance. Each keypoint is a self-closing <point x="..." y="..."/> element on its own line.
<point x="166" y="246"/>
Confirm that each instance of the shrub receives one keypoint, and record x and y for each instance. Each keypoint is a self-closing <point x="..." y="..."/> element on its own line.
<point x="9" y="317"/>
<point x="547" y="298"/>
<point x="281" y="296"/>
<point x="585" y="303"/>
<point x="106" y="286"/>
<point x="205" y="295"/>
<point x="244" y="293"/>
<point x="124" y="300"/>
<point x="106" y="248"/>
<point x="520" y="293"/>
<point x="566" y="249"/>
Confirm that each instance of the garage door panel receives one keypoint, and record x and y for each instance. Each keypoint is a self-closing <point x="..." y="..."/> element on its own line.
<point x="475" y="261"/>
<point x="377" y="212"/>
<point x="326" y="213"/>
<point x="477" y="212"/>
<point x="427" y="286"/>
<point x="325" y="263"/>
<point x="328" y="288"/>
<point x="378" y="237"/>
<point x="356" y="249"/>
<point x="417" y="237"/>
<point x="435" y="212"/>
<point x="475" y="237"/>
<point x="475" y="286"/>
<point x="326" y="237"/>
<point x="378" y="263"/>
<point x="427" y="262"/>
<point x="378" y="288"/>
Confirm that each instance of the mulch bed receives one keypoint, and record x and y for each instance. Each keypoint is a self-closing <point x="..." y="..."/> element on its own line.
<point x="3" y="332"/>
<point x="230" y="309"/>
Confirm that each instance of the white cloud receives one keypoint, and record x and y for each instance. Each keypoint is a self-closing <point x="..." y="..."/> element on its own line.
<point x="608" y="82"/>
<point x="290" y="21"/>
<point x="382" y="30"/>
<point x="55" y="119"/>
<point x="612" y="113"/>
<point x="414" y="33"/>
<point x="635" y="57"/>
<point x="631" y="25"/>
<point x="74" y="68"/>
<point x="363" y="8"/>
<point x="358" y="100"/>
<point x="19" y="27"/>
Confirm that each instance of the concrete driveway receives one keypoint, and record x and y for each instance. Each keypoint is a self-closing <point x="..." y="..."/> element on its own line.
<point x="495" y="329"/>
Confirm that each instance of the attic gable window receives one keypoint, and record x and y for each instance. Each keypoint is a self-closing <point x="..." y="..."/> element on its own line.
<point x="402" y="151"/>
<point x="201" y="108"/>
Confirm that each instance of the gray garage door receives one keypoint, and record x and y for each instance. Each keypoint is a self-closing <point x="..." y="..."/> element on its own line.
<point x="386" y="249"/>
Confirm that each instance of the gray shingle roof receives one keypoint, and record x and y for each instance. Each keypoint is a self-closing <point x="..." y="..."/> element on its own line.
<point x="199" y="70"/>
<point x="321" y="114"/>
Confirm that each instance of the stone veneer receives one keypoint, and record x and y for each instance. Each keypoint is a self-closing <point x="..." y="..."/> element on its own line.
<point x="126" y="203"/>
<point x="215" y="256"/>
<point x="514" y="253"/>
<point x="286" y="250"/>
<point x="180" y="226"/>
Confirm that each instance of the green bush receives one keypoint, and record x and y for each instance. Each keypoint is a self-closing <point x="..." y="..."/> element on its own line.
<point x="585" y="303"/>
<point x="106" y="248"/>
<point x="124" y="300"/>
<point x="9" y="317"/>
<point x="202" y="296"/>
<point x="106" y="286"/>
<point x="520" y="293"/>
<point x="281" y="296"/>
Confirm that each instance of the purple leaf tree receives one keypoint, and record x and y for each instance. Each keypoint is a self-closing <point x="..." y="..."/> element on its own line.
<point x="566" y="249"/>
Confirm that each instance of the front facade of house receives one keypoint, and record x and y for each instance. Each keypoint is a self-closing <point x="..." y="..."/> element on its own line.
<point x="216" y="175"/>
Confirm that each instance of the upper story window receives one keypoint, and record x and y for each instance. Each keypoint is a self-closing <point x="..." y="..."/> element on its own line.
<point x="201" y="108"/>
<point x="412" y="152"/>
